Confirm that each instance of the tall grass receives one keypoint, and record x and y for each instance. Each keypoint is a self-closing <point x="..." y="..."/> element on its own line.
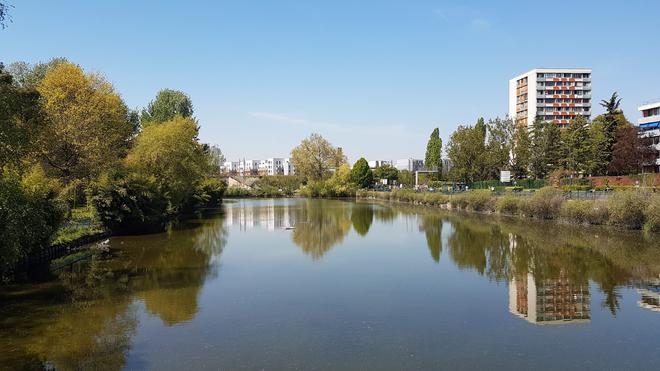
<point x="627" y="208"/>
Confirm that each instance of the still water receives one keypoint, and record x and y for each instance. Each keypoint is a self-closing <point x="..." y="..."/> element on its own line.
<point x="351" y="286"/>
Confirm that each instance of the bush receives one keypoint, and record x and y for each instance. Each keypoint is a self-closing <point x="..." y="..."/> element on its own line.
<point x="508" y="205"/>
<point x="545" y="204"/>
<point x="29" y="216"/>
<point x="238" y="192"/>
<point x="131" y="204"/>
<point x="284" y="184"/>
<point x="627" y="208"/>
<point x="481" y="200"/>
<point x="74" y="194"/>
<point x="584" y="212"/>
<point x="652" y="214"/>
<point x="207" y="194"/>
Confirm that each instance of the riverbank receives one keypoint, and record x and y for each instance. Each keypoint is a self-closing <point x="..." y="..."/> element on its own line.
<point x="627" y="209"/>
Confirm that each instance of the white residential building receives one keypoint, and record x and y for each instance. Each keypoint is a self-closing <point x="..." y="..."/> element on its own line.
<point x="288" y="168"/>
<point x="230" y="166"/>
<point x="556" y="95"/>
<point x="248" y="167"/>
<point x="409" y="164"/>
<point x="275" y="166"/>
<point x="649" y="126"/>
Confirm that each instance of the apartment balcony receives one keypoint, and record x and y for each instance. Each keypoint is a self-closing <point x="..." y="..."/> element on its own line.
<point x="649" y="119"/>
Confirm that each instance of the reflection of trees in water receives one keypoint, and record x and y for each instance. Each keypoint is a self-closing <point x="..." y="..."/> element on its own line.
<point x="93" y="327"/>
<point x="322" y="225"/>
<point x="362" y="216"/>
<point x="432" y="226"/>
<point x="504" y="253"/>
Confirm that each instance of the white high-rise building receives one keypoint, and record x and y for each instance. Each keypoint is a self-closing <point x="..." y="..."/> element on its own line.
<point x="556" y="95"/>
<point x="649" y="126"/>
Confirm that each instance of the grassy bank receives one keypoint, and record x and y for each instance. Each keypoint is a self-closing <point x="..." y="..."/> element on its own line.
<point x="631" y="209"/>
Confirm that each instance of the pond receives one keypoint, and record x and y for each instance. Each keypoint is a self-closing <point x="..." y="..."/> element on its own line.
<point x="331" y="284"/>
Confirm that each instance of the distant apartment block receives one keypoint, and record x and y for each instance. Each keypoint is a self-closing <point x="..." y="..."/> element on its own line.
<point x="270" y="166"/>
<point x="556" y="95"/>
<point x="649" y="126"/>
<point x="409" y="164"/>
<point x="378" y="163"/>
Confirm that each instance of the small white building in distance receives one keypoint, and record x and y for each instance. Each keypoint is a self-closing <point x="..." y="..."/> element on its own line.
<point x="378" y="163"/>
<point x="288" y="167"/>
<point x="556" y="95"/>
<point x="230" y="166"/>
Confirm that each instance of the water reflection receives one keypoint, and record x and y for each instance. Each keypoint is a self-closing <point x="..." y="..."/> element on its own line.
<point x="88" y="317"/>
<point x="87" y="320"/>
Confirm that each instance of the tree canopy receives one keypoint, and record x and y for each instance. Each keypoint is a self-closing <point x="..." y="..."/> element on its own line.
<point x="433" y="158"/>
<point x="315" y="157"/>
<point x="87" y="122"/>
<point x="167" y="104"/>
<point x="361" y="174"/>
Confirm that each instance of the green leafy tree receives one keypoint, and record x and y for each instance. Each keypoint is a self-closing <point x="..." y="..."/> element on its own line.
<point x="171" y="153"/>
<point x="499" y="149"/>
<point x="611" y="121"/>
<point x="597" y="162"/>
<point x="168" y="104"/>
<point x="466" y="151"/>
<point x="521" y="152"/>
<point x="433" y="159"/>
<point x="576" y="145"/>
<point x="29" y="76"/>
<point x="545" y="151"/>
<point x="21" y="121"/>
<point x="406" y="178"/>
<point x="361" y="174"/>
<point x="315" y="157"/>
<point x="388" y="172"/>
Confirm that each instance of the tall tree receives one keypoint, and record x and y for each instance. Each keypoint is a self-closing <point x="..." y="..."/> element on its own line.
<point x="576" y="145"/>
<point x="433" y="159"/>
<point x="466" y="151"/>
<point x="598" y="159"/>
<point x="545" y="150"/>
<point x="21" y="121"/>
<point x="88" y="127"/>
<point x="361" y="174"/>
<point x="611" y="120"/>
<point x="168" y="103"/>
<point x="315" y="157"/>
<point x="498" y="155"/>
<point x="521" y="151"/>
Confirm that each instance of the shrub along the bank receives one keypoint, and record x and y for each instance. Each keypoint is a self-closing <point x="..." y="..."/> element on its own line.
<point x="653" y="215"/>
<point x="584" y="212"/>
<point x="29" y="216"/>
<point x="625" y="208"/>
<point x="131" y="203"/>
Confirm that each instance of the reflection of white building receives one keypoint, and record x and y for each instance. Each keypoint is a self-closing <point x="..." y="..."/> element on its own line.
<point x="271" y="216"/>
<point x="650" y="295"/>
<point x="550" y="301"/>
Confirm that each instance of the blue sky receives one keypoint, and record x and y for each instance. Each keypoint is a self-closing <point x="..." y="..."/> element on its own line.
<point x="374" y="77"/>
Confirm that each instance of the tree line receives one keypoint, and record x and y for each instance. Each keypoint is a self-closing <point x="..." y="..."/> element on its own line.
<point x="607" y="145"/>
<point x="68" y="139"/>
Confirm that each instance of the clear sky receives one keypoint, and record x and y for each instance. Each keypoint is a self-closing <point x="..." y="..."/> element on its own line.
<point x="374" y="77"/>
